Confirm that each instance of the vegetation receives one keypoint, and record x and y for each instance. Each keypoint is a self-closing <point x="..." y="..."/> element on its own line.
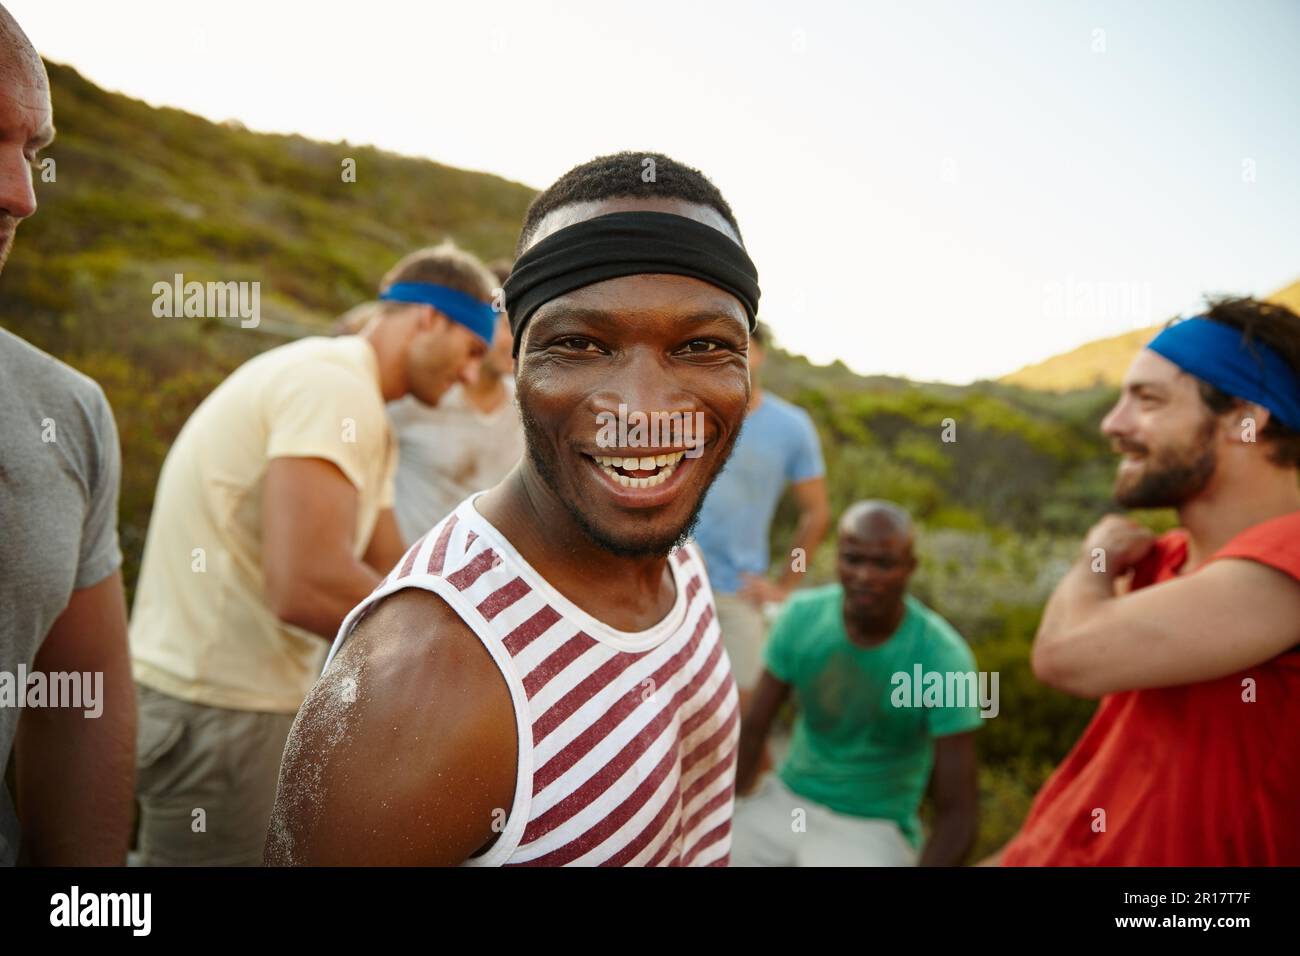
<point x="142" y="194"/>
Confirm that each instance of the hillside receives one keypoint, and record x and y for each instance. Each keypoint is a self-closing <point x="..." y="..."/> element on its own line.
<point x="1105" y="361"/>
<point x="143" y="193"/>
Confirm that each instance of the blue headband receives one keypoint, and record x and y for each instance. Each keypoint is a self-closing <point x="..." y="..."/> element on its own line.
<point x="1218" y="354"/>
<point x="479" y="317"/>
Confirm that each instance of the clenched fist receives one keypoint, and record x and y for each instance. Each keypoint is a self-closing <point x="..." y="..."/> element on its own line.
<point x="1123" y="543"/>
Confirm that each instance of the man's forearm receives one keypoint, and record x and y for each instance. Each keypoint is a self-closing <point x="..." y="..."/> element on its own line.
<point x="1080" y="594"/>
<point x="320" y="603"/>
<point x="76" y="779"/>
<point x="808" y="537"/>
<point x="951" y="840"/>
<point x="749" y="755"/>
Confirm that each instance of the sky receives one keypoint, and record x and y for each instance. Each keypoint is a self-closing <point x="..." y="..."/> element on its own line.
<point x="941" y="190"/>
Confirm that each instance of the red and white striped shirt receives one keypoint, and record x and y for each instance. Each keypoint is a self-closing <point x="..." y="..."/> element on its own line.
<point x="627" y="741"/>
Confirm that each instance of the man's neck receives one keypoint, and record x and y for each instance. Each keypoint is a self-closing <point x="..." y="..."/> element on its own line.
<point x="627" y="594"/>
<point x="871" y="632"/>
<point x="487" y="394"/>
<point x="1225" y="510"/>
<point x="389" y="356"/>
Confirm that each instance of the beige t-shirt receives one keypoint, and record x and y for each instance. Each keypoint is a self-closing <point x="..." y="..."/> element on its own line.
<point x="201" y="628"/>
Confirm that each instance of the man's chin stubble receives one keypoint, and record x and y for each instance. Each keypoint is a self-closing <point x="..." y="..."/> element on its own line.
<point x="649" y="548"/>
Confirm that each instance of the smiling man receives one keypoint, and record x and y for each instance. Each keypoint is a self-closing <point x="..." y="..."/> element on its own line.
<point x="1191" y="639"/>
<point x="541" y="680"/>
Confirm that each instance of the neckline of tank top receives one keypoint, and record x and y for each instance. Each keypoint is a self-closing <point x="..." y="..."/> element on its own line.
<point x="593" y="627"/>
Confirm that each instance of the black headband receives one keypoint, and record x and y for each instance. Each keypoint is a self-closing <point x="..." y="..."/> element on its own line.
<point x="627" y="244"/>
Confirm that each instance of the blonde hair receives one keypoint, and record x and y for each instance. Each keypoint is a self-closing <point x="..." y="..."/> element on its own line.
<point x="356" y="318"/>
<point x="444" y="264"/>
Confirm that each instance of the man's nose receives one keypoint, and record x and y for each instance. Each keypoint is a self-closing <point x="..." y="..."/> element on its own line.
<point x="643" y="383"/>
<point x="17" y="195"/>
<point x="1116" y="422"/>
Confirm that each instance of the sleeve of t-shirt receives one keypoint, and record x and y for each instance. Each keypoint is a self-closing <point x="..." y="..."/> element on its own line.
<point x="100" y="553"/>
<point x="805" y="459"/>
<point x="1274" y="543"/>
<point x="780" y="654"/>
<point x="320" y="410"/>
<point x="952" y="655"/>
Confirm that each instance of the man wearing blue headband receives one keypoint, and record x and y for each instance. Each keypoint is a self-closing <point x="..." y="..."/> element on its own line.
<point x="273" y="517"/>
<point x="541" y="681"/>
<point x="1191" y="639"/>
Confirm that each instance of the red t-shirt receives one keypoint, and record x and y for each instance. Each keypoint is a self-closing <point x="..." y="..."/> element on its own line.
<point x="1190" y="775"/>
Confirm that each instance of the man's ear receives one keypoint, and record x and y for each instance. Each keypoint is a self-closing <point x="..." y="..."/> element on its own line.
<point x="1246" y="421"/>
<point x="430" y="318"/>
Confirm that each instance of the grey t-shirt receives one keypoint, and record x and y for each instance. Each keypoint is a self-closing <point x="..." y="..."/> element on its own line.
<point x="59" y="471"/>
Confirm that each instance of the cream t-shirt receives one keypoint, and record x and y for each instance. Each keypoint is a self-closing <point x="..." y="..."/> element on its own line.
<point x="201" y="627"/>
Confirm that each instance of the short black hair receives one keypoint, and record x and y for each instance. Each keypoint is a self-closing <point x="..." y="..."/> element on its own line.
<point x="1278" y="327"/>
<point x="624" y="174"/>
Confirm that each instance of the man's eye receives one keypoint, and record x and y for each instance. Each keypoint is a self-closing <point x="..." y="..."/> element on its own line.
<point x="577" y="343"/>
<point x="701" y="346"/>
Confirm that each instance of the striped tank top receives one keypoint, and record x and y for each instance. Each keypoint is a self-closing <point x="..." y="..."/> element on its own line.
<point x="626" y="741"/>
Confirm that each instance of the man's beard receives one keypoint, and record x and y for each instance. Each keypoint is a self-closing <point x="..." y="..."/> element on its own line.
<point x="535" y="445"/>
<point x="1174" y="476"/>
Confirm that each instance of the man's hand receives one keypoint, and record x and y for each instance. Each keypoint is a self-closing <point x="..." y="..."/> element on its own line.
<point x="759" y="591"/>
<point x="1123" y="544"/>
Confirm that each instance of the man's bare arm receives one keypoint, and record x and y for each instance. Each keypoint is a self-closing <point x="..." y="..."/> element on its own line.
<point x="76" y="774"/>
<point x="1230" y="615"/>
<point x="386" y="546"/>
<point x="955" y="789"/>
<point x="309" y="519"/>
<point x="405" y="751"/>
<point x="814" y="521"/>
<point x="755" y="724"/>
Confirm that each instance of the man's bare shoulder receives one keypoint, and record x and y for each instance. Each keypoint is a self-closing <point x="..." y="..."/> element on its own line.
<point x="404" y="751"/>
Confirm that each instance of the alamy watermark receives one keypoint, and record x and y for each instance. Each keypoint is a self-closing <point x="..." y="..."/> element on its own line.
<point x="684" y="430"/>
<point x="208" y="300"/>
<point x="130" y="910"/>
<point x="943" y="689"/>
<point x="77" y="690"/>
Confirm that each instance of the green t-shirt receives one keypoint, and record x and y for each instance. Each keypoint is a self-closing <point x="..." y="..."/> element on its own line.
<point x="853" y="749"/>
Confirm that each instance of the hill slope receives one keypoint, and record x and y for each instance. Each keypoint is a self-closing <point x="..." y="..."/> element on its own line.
<point x="143" y="193"/>
<point x="1105" y="361"/>
<point x="1003" y="479"/>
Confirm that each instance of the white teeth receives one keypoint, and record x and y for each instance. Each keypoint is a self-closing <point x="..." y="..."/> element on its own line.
<point x="627" y="481"/>
<point x="641" y="464"/>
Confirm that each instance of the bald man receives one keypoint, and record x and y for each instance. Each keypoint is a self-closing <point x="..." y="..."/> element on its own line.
<point x="62" y="611"/>
<point x="866" y="740"/>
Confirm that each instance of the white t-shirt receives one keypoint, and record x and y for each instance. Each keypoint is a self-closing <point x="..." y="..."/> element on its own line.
<point x="448" y="452"/>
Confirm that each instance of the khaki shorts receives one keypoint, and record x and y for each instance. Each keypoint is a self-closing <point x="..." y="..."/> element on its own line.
<point x="777" y="827"/>
<point x="744" y="633"/>
<point x="205" y="781"/>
